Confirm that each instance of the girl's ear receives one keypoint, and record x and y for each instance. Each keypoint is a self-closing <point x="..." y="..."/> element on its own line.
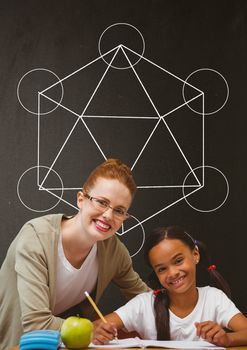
<point x="80" y="199"/>
<point x="196" y="255"/>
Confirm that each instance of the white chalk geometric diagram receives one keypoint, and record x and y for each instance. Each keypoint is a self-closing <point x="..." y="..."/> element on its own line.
<point x="123" y="105"/>
<point x="208" y="78"/>
<point x="29" y="180"/>
<point x="213" y="179"/>
<point x="31" y="84"/>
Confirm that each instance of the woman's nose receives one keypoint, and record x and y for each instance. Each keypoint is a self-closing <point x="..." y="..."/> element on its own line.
<point x="108" y="213"/>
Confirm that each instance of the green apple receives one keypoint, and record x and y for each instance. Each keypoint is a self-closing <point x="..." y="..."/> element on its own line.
<point x="76" y="332"/>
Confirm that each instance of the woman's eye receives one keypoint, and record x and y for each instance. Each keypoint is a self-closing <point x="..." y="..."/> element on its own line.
<point x="102" y="203"/>
<point x="119" y="211"/>
<point x="179" y="261"/>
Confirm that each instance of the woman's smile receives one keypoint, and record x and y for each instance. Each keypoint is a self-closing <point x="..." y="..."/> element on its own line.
<point x="102" y="225"/>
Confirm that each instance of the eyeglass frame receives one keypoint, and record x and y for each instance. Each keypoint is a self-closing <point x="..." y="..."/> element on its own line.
<point x="105" y="207"/>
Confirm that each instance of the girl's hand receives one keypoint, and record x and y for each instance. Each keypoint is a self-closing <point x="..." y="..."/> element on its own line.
<point x="103" y="332"/>
<point x="213" y="333"/>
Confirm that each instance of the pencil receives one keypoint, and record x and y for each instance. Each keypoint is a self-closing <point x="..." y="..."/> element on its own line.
<point x="95" y="307"/>
<point x="97" y="310"/>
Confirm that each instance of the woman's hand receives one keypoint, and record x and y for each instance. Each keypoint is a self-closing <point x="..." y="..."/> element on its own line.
<point x="103" y="332"/>
<point x="213" y="333"/>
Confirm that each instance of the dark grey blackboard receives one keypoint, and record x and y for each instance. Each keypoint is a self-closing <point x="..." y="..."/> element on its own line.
<point x="137" y="106"/>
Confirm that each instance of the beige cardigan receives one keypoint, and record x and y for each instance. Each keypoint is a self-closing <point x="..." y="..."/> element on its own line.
<point x="28" y="278"/>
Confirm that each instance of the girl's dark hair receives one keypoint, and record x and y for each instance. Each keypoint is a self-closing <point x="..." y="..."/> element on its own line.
<point x="162" y="302"/>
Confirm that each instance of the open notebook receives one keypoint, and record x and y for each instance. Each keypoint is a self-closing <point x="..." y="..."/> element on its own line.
<point x="171" y="344"/>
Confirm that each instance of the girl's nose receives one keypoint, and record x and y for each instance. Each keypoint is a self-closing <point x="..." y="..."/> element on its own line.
<point x="173" y="272"/>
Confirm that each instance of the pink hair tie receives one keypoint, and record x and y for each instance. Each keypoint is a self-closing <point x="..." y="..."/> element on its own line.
<point x="212" y="267"/>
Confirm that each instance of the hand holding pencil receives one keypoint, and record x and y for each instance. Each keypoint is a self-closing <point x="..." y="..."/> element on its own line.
<point x="107" y="331"/>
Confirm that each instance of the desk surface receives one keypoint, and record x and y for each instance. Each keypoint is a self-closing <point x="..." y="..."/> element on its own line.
<point x="231" y="348"/>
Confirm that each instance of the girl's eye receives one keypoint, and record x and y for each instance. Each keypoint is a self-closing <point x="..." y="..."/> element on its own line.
<point x="179" y="261"/>
<point x="161" y="269"/>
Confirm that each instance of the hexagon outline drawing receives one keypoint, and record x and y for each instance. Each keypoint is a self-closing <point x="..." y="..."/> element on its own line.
<point x="160" y="119"/>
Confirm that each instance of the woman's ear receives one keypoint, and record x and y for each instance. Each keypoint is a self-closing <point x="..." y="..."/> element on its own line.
<point x="80" y="198"/>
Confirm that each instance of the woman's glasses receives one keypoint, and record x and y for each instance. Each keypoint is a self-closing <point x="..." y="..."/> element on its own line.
<point x="102" y="205"/>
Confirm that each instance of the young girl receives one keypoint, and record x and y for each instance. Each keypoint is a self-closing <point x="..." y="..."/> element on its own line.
<point x="55" y="258"/>
<point x="177" y="309"/>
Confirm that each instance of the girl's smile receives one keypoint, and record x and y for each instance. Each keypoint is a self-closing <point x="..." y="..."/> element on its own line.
<point x="177" y="282"/>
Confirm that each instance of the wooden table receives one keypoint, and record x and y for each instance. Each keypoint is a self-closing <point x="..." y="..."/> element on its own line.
<point x="231" y="348"/>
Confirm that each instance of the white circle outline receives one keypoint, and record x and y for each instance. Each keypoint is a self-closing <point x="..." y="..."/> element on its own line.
<point x="127" y="24"/>
<point x="19" y="196"/>
<point x="143" y="235"/>
<point x="18" y="87"/>
<point x="227" y="89"/>
<point x="210" y="210"/>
